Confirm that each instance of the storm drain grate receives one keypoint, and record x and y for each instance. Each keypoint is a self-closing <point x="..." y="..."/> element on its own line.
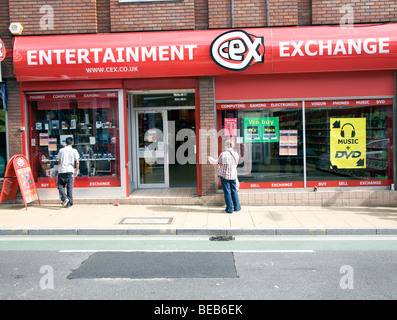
<point x="146" y="220"/>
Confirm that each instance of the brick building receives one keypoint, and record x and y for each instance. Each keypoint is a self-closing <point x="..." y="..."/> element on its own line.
<point x="120" y="76"/>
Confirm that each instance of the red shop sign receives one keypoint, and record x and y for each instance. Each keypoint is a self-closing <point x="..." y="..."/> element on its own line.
<point x="348" y="103"/>
<point x="349" y="183"/>
<point x="205" y="52"/>
<point x="258" y="105"/>
<point x="267" y="185"/>
<point x="82" y="182"/>
<point x="71" y="95"/>
<point x="311" y="184"/>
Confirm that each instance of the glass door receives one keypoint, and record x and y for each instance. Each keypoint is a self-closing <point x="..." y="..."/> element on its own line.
<point x="152" y="149"/>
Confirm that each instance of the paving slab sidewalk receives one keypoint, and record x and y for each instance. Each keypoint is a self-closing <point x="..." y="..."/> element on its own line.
<point x="195" y="219"/>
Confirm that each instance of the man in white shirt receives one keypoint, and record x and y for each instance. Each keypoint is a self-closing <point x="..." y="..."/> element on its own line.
<point x="68" y="167"/>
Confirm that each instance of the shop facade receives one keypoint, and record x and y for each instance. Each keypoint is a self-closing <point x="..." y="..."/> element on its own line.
<point x="307" y="107"/>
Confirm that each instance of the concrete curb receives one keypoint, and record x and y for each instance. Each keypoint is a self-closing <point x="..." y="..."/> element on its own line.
<point x="199" y="231"/>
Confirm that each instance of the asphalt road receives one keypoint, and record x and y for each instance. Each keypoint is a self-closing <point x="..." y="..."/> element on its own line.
<point x="194" y="268"/>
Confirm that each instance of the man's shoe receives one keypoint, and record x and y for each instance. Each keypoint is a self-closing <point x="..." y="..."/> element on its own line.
<point x="68" y="205"/>
<point x="65" y="202"/>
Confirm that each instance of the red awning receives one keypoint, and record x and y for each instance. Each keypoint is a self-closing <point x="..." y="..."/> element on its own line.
<point x="206" y="52"/>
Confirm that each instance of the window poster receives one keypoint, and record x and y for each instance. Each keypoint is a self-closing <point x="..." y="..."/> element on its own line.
<point x="288" y="145"/>
<point x="43" y="139"/>
<point x="52" y="144"/>
<point x="348" y="143"/>
<point x="231" y="127"/>
<point x="152" y="135"/>
<point x="261" y="129"/>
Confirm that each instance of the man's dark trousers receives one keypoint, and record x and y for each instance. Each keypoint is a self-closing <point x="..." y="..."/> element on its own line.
<point x="65" y="180"/>
<point x="231" y="196"/>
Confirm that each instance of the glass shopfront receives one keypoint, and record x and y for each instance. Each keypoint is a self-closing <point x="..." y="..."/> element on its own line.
<point x="310" y="143"/>
<point x="349" y="143"/>
<point x="91" y="119"/>
<point x="165" y="138"/>
<point x="269" y="139"/>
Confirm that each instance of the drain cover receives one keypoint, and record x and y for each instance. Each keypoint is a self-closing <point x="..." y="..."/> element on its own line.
<point x="222" y="238"/>
<point x="146" y="220"/>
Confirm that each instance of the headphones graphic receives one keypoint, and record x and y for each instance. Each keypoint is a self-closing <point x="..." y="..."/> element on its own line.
<point x="342" y="133"/>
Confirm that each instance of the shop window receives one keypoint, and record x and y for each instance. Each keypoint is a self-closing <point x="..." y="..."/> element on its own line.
<point x="269" y="140"/>
<point x="91" y="118"/>
<point x="349" y="143"/>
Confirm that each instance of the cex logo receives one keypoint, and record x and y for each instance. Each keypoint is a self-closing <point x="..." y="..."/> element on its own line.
<point x="237" y="50"/>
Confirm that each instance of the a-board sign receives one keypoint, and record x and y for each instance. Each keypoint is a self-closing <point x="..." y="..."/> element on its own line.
<point x="19" y="173"/>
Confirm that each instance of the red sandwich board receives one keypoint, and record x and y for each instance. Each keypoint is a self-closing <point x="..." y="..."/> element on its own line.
<point x="18" y="172"/>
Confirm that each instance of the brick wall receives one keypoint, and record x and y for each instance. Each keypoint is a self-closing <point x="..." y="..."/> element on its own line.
<point x="253" y="13"/>
<point x="304" y="12"/>
<point x="201" y="14"/>
<point x="103" y="16"/>
<point x="283" y="13"/>
<point x="219" y="14"/>
<point x="92" y="16"/>
<point x="333" y="11"/>
<point x="54" y="16"/>
<point x="249" y="13"/>
<point x="14" y="117"/>
<point x="152" y="16"/>
<point x="207" y="124"/>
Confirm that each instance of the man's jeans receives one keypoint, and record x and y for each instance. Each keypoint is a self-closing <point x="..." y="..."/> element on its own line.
<point x="231" y="196"/>
<point x="65" y="180"/>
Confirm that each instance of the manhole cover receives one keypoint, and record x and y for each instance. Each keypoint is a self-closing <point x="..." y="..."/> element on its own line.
<point x="146" y="220"/>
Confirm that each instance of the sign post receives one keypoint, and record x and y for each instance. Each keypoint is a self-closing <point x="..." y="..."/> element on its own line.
<point x="19" y="173"/>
